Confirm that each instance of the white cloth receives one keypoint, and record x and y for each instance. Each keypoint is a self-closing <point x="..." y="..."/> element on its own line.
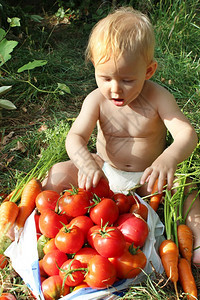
<point x="121" y="181"/>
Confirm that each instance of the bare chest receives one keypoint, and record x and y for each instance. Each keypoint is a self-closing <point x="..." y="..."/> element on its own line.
<point x="139" y="121"/>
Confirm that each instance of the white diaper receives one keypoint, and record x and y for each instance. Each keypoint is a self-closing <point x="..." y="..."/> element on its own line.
<point x="121" y="181"/>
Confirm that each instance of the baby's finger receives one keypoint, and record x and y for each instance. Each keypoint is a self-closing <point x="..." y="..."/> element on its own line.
<point x="170" y="179"/>
<point x="88" y="182"/>
<point x="146" y="175"/>
<point x="161" y="182"/>
<point x="96" y="178"/>
<point x="152" y="180"/>
<point x="81" y="180"/>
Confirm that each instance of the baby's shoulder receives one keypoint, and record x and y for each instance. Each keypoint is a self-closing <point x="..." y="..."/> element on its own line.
<point x="92" y="101"/>
<point x="160" y="98"/>
<point x="94" y="95"/>
<point x="156" y="92"/>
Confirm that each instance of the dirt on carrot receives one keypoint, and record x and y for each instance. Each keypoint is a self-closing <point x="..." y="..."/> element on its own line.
<point x="185" y="241"/>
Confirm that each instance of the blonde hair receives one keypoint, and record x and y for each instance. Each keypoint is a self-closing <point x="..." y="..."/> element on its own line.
<point x="124" y="30"/>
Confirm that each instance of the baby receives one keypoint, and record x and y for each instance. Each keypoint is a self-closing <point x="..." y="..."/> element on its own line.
<point x="132" y="115"/>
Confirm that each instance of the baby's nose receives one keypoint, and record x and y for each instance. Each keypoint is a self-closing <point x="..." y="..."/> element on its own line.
<point x="115" y="87"/>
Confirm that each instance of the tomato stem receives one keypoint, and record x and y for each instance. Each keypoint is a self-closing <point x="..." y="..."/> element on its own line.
<point x="103" y="231"/>
<point x="96" y="201"/>
<point x="67" y="230"/>
<point x="69" y="272"/>
<point x="73" y="191"/>
<point x="133" y="250"/>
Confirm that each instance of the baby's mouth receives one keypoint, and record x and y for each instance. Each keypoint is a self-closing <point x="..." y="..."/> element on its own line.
<point x="117" y="101"/>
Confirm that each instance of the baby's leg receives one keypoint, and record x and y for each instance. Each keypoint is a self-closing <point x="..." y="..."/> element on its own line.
<point x="61" y="176"/>
<point x="64" y="174"/>
<point x="193" y="221"/>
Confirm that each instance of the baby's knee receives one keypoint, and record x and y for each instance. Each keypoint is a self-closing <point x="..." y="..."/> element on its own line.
<point x="60" y="177"/>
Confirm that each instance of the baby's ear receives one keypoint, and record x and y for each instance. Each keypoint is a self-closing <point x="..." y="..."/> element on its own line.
<point x="151" y="69"/>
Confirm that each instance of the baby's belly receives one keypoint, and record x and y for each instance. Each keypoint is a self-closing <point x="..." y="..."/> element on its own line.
<point x="130" y="154"/>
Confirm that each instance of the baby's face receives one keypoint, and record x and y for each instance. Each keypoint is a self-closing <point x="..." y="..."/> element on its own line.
<point x="121" y="80"/>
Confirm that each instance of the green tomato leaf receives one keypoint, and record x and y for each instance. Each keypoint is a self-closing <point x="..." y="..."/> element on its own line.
<point x="4" y="89"/>
<point x="6" y="47"/>
<point x="7" y="104"/>
<point x="2" y="34"/>
<point x="14" y="22"/>
<point x="36" y="18"/>
<point x="32" y="65"/>
<point x="63" y="87"/>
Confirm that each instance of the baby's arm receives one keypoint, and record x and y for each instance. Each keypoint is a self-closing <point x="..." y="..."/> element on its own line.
<point x="184" y="142"/>
<point x="77" y="139"/>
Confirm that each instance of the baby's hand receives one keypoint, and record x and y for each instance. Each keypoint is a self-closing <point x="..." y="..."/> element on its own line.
<point x="89" y="179"/>
<point x="162" y="168"/>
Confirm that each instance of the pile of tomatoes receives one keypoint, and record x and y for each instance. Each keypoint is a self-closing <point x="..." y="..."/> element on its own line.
<point x="92" y="238"/>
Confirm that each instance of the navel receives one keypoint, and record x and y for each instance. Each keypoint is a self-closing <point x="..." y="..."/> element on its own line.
<point x="128" y="166"/>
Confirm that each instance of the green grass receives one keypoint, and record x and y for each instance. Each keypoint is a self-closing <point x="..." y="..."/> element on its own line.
<point x="43" y="118"/>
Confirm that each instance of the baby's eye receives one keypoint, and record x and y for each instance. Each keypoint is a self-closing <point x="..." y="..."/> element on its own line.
<point x="127" y="80"/>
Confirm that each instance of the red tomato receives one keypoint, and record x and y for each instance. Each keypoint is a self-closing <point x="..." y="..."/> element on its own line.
<point x="50" y="222"/>
<point x="101" y="273"/>
<point x="75" y="202"/>
<point x="46" y="199"/>
<point x="90" y="235"/>
<point x="74" y="277"/>
<point x="83" y="222"/>
<point x="3" y="261"/>
<point x="134" y="228"/>
<point x="111" y="194"/>
<point x="42" y="278"/>
<point x="132" y="198"/>
<point x="130" y="263"/>
<point x="52" y="288"/>
<point x="122" y="218"/>
<point x="52" y="261"/>
<point x="140" y="209"/>
<point x="102" y="190"/>
<point x="84" y="255"/>
<point x="7" y="296"/>
<point x="106" y="211"/>
<point x="123" y="202"/>
<point x="69" y="239"/>
<point x="109" y="241"/>
<point x="42" y="271"/>
<point x="37" y="217"/>
<point x="49" y="246"/>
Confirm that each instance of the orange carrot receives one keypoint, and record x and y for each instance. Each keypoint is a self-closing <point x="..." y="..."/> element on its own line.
<point x="27" y="203"/>
<point x="186" y="279"/>
<point x="155" y="199"/>
<point x="169" y="253"/>
<point x="8" y="214"/>
<point x="9" y="196"/>
<point x="185" y="241"/>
